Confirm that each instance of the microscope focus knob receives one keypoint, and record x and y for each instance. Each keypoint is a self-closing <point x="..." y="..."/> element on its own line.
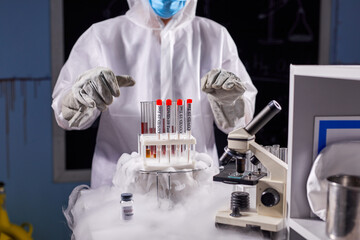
<point x="270" y="197"/>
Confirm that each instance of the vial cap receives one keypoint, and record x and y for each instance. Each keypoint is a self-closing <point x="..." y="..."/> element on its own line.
<point x="189" y="101"/>
<point x="159" y="102"/>
<point x="179" y="102"/>
<point x="126" y="196"/>
<point x="2" y="187"/>
<point x="168" y="102"/>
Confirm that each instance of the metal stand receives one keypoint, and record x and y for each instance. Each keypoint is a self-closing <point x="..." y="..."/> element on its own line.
<point x="169" y="173"/>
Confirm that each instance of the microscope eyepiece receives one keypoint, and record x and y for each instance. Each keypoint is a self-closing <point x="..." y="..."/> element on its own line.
<point x="263" y="117"/>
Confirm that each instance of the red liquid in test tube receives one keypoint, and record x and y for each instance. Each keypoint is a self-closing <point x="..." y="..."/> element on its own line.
<point x="144" y="127"/>
<point x="144" y="115"/>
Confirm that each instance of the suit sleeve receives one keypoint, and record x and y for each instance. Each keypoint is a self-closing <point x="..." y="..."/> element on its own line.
<point x="85" y="54"/>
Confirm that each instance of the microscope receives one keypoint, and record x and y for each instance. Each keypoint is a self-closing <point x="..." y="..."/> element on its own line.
<point x="270" y="188"/>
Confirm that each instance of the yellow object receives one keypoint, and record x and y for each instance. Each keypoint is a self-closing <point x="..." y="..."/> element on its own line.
<point x="4" y="237"/>
<point x="9" y="231"/>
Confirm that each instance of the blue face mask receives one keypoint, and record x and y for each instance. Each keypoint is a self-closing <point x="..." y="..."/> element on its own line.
<point x="166" y="8"/>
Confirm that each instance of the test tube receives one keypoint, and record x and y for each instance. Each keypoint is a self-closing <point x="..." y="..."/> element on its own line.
<point x="144" y="117"/>
<point x="180" y="118"/>
<point x="188" y="117"/>
<point x="173" y="125"/>
<point x="188" y="125"/>
<point x="275" y="150"/>
<point x="180" y="124"/>
<point x="152" y="125"/>
<point x="283" y="154"/>
<point x="152" y="117"/>
<point x="163" y="129"/>
<point x="141" y="126"/>
<point x="145" y="122"/>
<point x="173" y="117"/>
<point x="142" y="112"/>
<point x="158" y="125"/>
<point x="168" y="117"/>
<point x="168" y="126"/>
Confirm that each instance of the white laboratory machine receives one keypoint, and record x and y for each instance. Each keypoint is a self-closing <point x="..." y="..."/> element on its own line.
<point x="270" y="211"/>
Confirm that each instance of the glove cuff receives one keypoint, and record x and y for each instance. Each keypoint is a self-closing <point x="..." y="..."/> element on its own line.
<point x="227" y="116"/>
<point x="75" y="112"/>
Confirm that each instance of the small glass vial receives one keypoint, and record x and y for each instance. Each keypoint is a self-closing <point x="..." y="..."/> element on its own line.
<point x="2" y="195"/>
<point x="127" y="210"/>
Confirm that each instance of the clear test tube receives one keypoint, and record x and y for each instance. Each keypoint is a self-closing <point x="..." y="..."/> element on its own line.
<point x="145" y="125"/>
<point x="149" y="118"/>
<point x="275" y="149"/>
<point x="283" y="154"/>
<point x="152" y="125"/>
<point x="188" y="126"/>
<point x="179" y="124"/>
<point x="144" y="117"/>
<point x="152" y="117"/>
<point x="158" y="122"/>
<point x="168" y="120"/>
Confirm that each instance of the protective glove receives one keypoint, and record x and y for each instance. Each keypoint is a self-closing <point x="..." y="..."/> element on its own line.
<point x="225" y="93"/>
<point x="93" y="89"/>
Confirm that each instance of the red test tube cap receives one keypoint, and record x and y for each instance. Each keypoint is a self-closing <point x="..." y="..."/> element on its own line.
<point x="168" y="102"/>
<point x="179" y="102"/>
<point x="158" y="102"/>
<point x="189" y="101"/>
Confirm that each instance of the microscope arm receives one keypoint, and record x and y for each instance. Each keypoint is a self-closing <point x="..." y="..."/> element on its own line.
<point x="277" y="169"/>
<point x="241" y="141"/>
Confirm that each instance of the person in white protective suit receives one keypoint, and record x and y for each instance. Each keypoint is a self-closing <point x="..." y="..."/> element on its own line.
<point x="171" y="54"/>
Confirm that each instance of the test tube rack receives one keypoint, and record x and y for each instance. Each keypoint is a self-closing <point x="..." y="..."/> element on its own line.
<point x="163" y="142"/>
<point x="182" y="160"/>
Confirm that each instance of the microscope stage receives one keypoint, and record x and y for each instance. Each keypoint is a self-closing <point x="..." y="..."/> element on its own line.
<point x="229" y="175"/>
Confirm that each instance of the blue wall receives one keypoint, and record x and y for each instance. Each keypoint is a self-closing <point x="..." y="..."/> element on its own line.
<point x="25" y="54"/>
<point x="32" y="196"/>
<point x="345" y="32"/>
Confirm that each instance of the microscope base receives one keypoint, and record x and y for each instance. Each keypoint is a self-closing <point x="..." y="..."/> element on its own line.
<point x="267" y="223"/>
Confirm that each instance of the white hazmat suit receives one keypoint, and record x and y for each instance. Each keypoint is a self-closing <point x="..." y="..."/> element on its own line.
<point x="166" y="61"/>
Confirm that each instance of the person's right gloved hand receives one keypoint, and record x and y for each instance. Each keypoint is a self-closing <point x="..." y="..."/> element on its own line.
<point x="93" y="89"/>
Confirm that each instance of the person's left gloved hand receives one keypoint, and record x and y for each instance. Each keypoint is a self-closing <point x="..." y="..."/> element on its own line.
<point x="225" y="93"/>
